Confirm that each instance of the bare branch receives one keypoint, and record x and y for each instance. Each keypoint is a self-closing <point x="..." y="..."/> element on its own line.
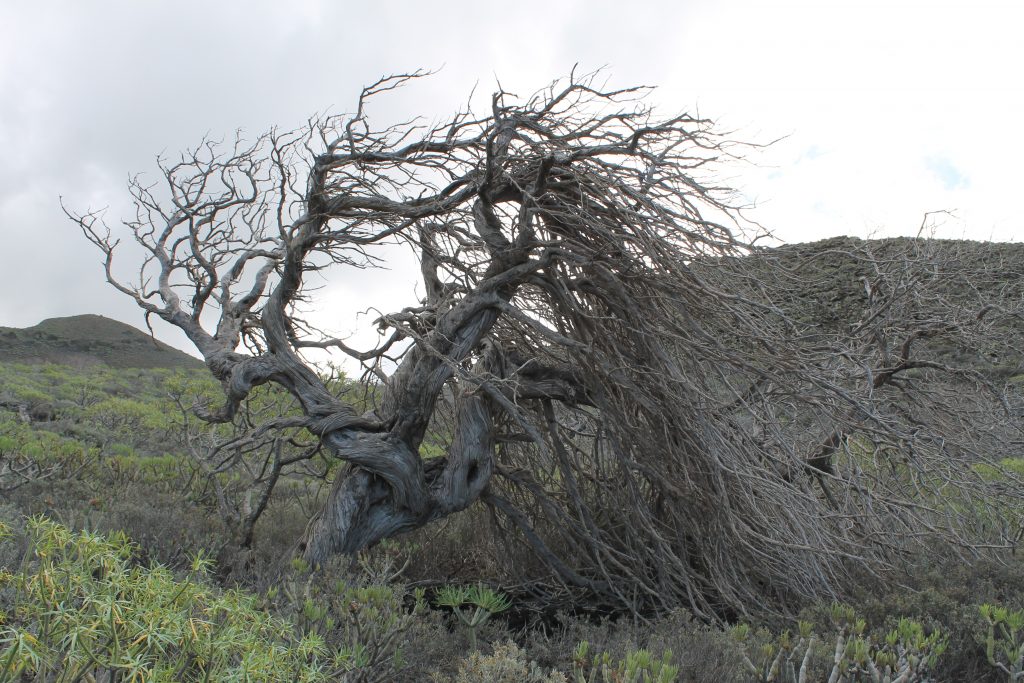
<point x="668" y="424"/>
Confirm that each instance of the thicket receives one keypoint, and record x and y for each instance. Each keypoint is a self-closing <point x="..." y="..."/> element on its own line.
<point x="213" y="512"/>
<point x="621" y="374"/>
<point x="112" y="460"/>
<point x="84" y="606"/>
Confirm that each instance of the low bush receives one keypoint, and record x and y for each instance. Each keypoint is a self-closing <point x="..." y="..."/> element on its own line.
<point x="849" y="652"/>
<point x="704" y="653"/>
<point x="472" y="606"/>
<point x="507" y="664"/>
<point x="1004" y="642"/>
<point x="945" y="596"/>
<point x="82" y="609"/>
<point x="371" y="622"/>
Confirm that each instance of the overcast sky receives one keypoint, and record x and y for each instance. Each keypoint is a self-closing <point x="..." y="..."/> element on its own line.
<point x="887" y="110"/>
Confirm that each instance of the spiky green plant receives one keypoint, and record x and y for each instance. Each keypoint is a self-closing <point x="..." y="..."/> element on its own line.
<point x="83" y="610"/>
<point x="905" y="654"/>
<point x="639" y="666"/>
<point x="368" y="622"/>
<point x="1004" y="642"/>
<point x="786" y="658"/>
<point x="472" y="606"/>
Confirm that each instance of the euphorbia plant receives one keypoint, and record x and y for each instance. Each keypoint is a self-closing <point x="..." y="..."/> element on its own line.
<point x="1004" y="644"/>
<point x="472" y="605"/>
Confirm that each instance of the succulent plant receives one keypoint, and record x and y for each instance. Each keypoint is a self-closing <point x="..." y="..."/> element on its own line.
<point x="472" y="605"/>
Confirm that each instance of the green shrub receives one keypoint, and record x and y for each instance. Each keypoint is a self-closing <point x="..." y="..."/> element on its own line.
<point x="508" y="664"/>
<point x="1004" y="642"/>
<point x="83" y="610"/>
<point x="368" y="622"/>
<point x="787" y="657"/>
<point x="638" y="666"/>
<point x="472" y="606"/>
<point x="944" y="594"/>
<point x="905" y="653"/>
<point x="705" y="653"/>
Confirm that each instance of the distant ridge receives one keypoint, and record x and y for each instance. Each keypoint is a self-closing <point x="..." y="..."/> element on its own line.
<point x="89" y="340"/>
<point x="816" y="283"/>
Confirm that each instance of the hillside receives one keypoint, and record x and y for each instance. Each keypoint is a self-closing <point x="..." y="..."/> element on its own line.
<point x="97" y="433"/>
<point x="825" y="280"/>
<point x="89" y="340"/>
<point x="820" y="284"/>
<point x="968" y="296"/>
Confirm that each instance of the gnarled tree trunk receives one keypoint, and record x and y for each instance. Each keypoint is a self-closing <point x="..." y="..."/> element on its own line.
<point x="609" y="361"/>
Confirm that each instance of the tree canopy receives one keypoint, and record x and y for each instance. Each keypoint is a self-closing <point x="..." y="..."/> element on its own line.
<point x="610" y="363"/>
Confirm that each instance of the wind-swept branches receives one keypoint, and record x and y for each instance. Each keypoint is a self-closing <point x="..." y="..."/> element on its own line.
<point x="616" y="371"/>
<point x="207" y="238"/>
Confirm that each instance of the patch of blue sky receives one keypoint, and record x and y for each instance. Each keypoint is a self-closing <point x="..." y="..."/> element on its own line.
<point x="951" y="177"/>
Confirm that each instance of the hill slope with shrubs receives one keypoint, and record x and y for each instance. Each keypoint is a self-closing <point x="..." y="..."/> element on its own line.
<point x="98" y="441"/>
<point x="89" y="340"/>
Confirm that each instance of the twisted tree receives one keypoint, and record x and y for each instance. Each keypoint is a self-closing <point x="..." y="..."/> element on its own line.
<point x="598" y="342"/>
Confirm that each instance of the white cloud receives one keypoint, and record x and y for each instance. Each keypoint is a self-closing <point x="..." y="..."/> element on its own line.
<point x="891" y="108"/>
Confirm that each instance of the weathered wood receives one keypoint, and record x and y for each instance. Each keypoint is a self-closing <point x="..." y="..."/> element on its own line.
<point x="614" y="366"/>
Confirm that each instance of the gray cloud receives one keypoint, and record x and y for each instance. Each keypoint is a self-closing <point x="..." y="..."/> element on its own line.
<point x="91" y="92"/>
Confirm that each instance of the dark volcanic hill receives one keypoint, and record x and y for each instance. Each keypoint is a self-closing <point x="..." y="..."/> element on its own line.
<point x="86" y="340"/>
<point x="824" y="286"/>
<point x="959" y="303"/>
